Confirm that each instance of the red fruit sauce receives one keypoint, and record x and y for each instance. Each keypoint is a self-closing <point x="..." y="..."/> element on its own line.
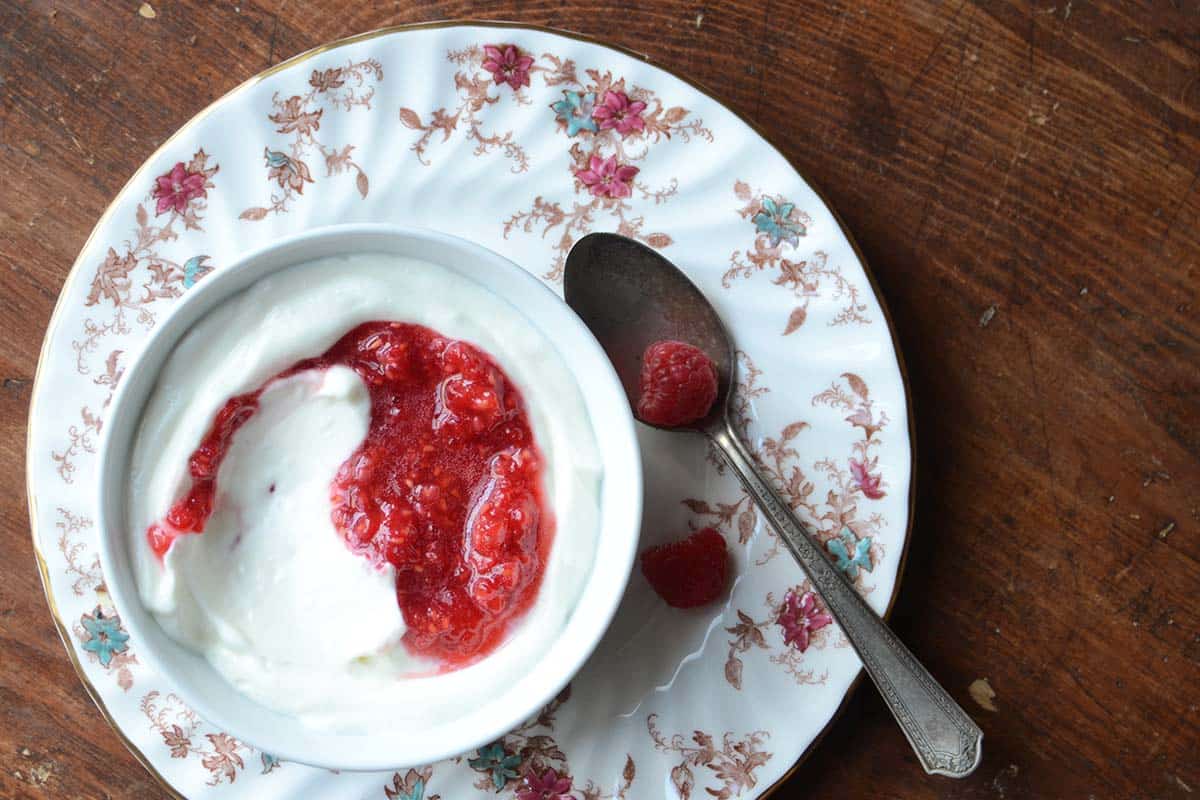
<point x="446" y="487"/>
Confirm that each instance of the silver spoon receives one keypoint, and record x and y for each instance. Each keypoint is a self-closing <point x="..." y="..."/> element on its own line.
<point x="630" y="296"/>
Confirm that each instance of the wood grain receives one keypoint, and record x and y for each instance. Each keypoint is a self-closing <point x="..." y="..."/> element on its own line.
<point x="1037" y="162"/>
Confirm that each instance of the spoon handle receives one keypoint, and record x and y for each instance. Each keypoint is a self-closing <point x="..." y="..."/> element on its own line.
<point x="945" y="739"/>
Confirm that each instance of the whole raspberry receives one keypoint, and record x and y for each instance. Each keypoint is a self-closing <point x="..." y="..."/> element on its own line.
<point x="678" y="384"/>
<point x="688" y="573"/>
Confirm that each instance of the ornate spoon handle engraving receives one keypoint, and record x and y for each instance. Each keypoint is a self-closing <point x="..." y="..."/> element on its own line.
<point x="945" y="739"/>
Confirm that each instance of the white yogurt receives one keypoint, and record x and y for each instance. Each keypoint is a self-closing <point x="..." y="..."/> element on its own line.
<point x="269" y="593"/>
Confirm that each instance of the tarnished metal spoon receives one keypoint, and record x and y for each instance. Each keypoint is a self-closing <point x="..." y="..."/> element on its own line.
<point x="630" y="296"/>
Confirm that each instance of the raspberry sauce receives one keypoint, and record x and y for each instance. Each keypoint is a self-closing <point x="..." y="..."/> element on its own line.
<point x="446" y="486"/>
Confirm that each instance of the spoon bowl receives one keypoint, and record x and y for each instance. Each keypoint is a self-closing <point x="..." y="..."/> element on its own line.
<point x="630" y="297"/>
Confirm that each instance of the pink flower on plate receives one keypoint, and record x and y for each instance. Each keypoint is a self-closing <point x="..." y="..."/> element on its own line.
<point x="863" y="479"/>
<point x="177" y="188"/>
<point x="800" y="618"/>
<point x="604" y="177"/>
<point x="548" y="787"/>
<point x="507" y="64"/>
<point x="618" y="112"/>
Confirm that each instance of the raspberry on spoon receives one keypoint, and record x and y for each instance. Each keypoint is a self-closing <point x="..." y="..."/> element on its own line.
<point x="678" y="384"/>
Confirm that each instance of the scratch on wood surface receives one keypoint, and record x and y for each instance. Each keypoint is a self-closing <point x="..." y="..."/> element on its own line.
<point x="1174" y="215"/>
<point x="763" y="49"/>
<point x="835" y="49"/>
<point x="274" y="31"/>
<point x="987" y="316"/>
<point x="71" y="135"/>
<point x="1017" y="155"/>
<point x="1040" y="396"/>
<point x="921" y="70"/>
<point x="968" y="62"/>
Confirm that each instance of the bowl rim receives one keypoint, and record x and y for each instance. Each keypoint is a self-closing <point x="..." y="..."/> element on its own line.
<point x="620" y="499"/>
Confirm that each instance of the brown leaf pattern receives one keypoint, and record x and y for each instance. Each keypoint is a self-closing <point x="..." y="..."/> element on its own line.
<point x="254" y="213"/>
<point x="411" y="784"/>
<point x="224" y="761"/>
<point x="746" y="522"/>
<point x="767" y="634"/>
<point x="293" y="116"/>
<point x="299" y="116"/>
<point x="126" y="288"/>
<point x="175" y="739"/>
<point x="221" y="755"/>
<point x="79" y="440"/>
<point x="83" y="565"/>
<point x="112" y="280"/>
<point x="325" y="80"/>
<point x="848" y="483"/>
<point x="593" y="145"/>
<point x="857" y="385"/>
<point x="796" y="319"/>
<point x="778" y="228"/>
<point x="683" y="780"/>
<point x="476" y="91"/>
<point x="747" y="634"/>
<point x="732" y="765"/>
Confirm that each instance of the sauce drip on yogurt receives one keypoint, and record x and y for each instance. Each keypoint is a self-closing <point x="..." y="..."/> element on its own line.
<point x="446" y="486"/>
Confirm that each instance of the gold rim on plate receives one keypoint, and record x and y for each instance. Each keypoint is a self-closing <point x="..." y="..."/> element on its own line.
<point x="43" y="567"/>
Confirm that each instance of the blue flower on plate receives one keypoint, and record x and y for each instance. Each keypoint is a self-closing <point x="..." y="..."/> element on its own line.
<point x="409" y="786"/>
<point x="269" y="762"/>
<point x="841" y="549"/>
<point x="194" y="270"/>
<point x="415" y="792"/>
<point x="575" y="109"/>
<point x="493" y="760"/>
<point x="276" y="158"/>
<point x="775" y="221"/>
<point x="106" y="638"/>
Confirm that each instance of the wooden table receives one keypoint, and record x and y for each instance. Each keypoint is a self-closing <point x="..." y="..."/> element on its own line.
<point x="1023" y="180"/>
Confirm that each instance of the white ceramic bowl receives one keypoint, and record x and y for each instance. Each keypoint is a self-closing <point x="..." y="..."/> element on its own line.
<point x="395" y="746"/>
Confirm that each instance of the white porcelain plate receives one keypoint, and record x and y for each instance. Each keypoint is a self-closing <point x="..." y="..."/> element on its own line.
<point x="521" y="140"/>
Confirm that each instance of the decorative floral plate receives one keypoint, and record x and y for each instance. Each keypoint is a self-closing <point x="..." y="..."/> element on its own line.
<point x="522" y="140"/>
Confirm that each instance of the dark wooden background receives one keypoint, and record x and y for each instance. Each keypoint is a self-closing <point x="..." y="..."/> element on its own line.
<point x="1022" y="178"/>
